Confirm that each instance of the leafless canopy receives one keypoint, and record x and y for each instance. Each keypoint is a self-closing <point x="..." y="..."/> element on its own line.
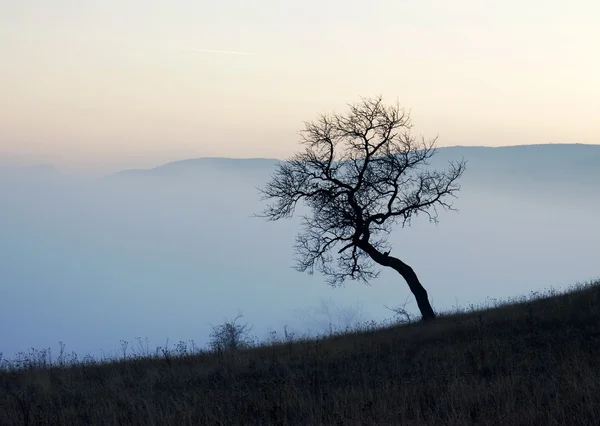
<point x="359" y="174"/>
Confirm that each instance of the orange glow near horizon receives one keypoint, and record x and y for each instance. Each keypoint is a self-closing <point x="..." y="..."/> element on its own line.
<point x="110" y="84"/>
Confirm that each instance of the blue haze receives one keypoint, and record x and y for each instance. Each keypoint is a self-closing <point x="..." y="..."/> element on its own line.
<point x="164" y="253"/>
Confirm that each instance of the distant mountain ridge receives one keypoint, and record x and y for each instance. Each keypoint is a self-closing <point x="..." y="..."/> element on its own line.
<point x="544" y="162"/>
<point x="584" y="158"/>
<point x="202" y="165"/>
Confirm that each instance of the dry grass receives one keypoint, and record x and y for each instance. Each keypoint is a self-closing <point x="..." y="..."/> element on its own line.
<point x="531" y="363"/>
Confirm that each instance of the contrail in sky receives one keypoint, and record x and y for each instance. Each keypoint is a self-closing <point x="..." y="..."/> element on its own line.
<point x="227" y="52"/>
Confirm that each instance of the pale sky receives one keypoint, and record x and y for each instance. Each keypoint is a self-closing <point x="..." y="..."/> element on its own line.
<point x="110" y="84"/>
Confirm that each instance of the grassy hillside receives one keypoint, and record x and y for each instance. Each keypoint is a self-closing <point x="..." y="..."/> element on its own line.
<point x="533" y="361"/>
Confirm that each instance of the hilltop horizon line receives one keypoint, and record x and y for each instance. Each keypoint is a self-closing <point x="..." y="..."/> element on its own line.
<point x="51" y="167"/>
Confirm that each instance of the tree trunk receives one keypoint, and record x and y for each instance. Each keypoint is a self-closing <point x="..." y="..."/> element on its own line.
<point x="409" y="276"/>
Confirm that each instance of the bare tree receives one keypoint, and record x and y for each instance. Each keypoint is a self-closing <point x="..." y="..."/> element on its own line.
<point x="359" y="174"/>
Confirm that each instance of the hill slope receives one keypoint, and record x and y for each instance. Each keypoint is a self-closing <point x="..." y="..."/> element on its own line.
<point x="533" y="362"/>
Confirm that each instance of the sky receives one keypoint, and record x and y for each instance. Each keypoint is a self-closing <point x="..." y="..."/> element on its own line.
<point x="113" y="84"/>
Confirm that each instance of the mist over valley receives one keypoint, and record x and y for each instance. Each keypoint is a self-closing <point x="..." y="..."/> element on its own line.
<point x="167" y="252"/>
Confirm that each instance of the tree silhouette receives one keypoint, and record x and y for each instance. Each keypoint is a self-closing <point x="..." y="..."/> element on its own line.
<point x="359" y="174"/>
